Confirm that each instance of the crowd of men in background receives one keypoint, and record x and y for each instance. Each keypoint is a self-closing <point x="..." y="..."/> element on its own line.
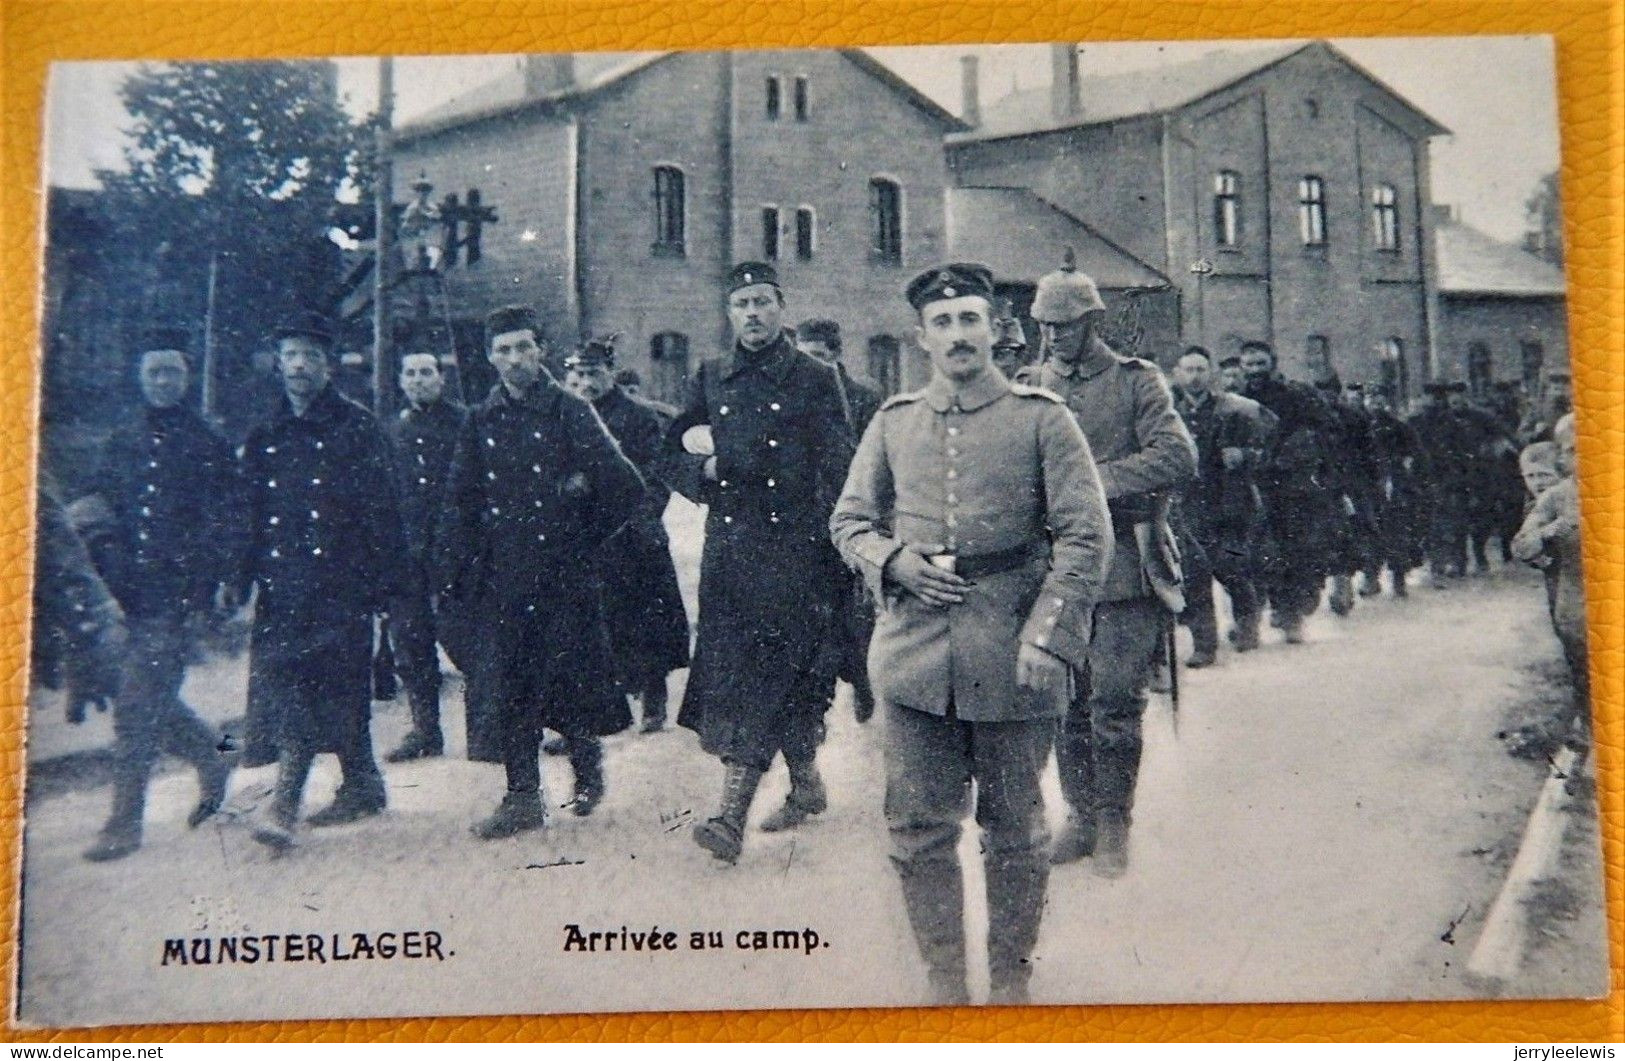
<point x="524" y="536"/>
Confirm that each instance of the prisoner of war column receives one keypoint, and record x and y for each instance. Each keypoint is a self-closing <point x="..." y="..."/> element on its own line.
<point x="326" y="551"/>
<point x="169" y="483"/>
<point x="762" y="441"/>
<point x="1144" y="454"/>
<point x="974" y="511"/>
<point x="536" y="488"/>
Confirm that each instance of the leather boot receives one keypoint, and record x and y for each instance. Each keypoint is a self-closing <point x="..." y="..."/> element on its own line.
<point x="807" y="797"/>
<point x="1077" y="839"/>
<point x="654" y="705"/>
<point x="121" y="836"/>
<point x="1111" y="849"/>
<point x="724" y="835"/>
<point x="1342" y="598"/>
<point x="276" y="829"/>
<point x="1244" y="635"/>
<point x="1292" y="629"/>
<point x="1015" y="908"/>
<point x="351" y="804"/>
<point x="934" y="896"/>
<point x="517" y="813"/>
<point x="587" y="763"/>
<point x="1371" y="584"/>
<point x="212" y="780"/>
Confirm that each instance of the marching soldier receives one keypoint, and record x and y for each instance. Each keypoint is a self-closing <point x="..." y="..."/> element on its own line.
<point x="536" y="487"/>
<point x="763" y="442"/>
<point x="1297" y="502"/>
<point x="821" y="339"/>
<point x="1144" y="454"/>
<point x="422" y="437"/>
<point x="1399" y="504"/>
<point x="1222" y="509"/>
<point x="974" y="512"/>
<point x="648" y="629"/>
<point x="327" y="554"/>
<point x="170" y="488"/>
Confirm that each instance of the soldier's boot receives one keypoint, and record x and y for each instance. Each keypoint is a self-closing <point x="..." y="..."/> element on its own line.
<point x="1342" y="596"/>
<point x="1371" y="582"/>
<point x="1397" y="577"/>
<point x="934" y="896"/>
<point x="120" y="837"/>
<point x="807" y="797"/>
<point x="1111" y="848"/>
<point x="724" y="834"/>
<point x="1292" y="629"/>
<point x="587" y="763"/>
<point x="654" y="705"/>
<point x="425" y="740"/>
<point x="212" y="782"/>
<point x="200" y="744"/>
<point x="361" y="795"/>
<point x="518" y="812"/>
<point x="1015" y="908"/>
<point x="1076" y="841"/>
<point x="276" y="830"/>
<point x="1244" y="635"/>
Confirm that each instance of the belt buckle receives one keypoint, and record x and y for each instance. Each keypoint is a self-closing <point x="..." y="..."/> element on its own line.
<point x="944" y="561"/>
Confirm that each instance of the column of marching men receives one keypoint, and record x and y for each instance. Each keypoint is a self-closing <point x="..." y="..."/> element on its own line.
<point x="994" y="562"/>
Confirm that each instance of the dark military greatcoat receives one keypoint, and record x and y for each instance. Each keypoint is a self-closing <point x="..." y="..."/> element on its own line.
<point x="536" y="487"/>
<point x="771" y="584"/>
<point x="326" y="550"/>
<point x="171" y="484"/>
<point x="423" y="439"/>
<point x="648" y="629"/>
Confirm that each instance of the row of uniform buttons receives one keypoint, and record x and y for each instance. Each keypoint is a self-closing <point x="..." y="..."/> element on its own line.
<point x="952" y="517"/>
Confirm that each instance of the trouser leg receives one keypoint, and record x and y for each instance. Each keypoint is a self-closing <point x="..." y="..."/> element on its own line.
<point x="149" y="696"/>
<point x="654" y="698"/>
<point x="1200" y="613"/>
<point x="521" y="750"/>
<point x="294" y="760"/>
<point x="1008" y="759"/>
<point x="412" y="628"/>
<point x="928" y="773"/>
<point x="1098" y="773"/>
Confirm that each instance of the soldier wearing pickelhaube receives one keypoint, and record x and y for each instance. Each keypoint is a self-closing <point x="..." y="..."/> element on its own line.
<point x="648" y="628"/>
<point x="536" y="487"/>
<point x="1144" y="454"/>
<point x="170" y="490"/>
<point x="762" y="441"/>
<point x="975" y="514"/>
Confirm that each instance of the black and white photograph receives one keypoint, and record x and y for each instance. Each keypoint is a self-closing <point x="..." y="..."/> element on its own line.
<point x="1010" y="524"/>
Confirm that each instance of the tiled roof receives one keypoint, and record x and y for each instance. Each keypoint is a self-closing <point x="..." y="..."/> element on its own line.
<point x="1021" y="237"/>
<point x="1471" y="263"/>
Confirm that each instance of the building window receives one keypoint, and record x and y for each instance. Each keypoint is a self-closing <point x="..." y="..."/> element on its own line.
<point x="801" y="99"/>
<point x="1396" y="374"/>
<point x="668" y="366"/>
<point x="806" y="233"/>
<point x="1534" y="360"/>
<point x="1312" y="211"/>
<point x="1226" y="208"/>
<point x="770" y="233"/>
<point x="886" y="363"/>
<point x="1317" y="357"/>
<point x="774" y="90"/>
<point x="671" y="211"/>
<point x="1480" y="370"/>
<point x="886" y="220"/>
<point x="1385" y="217"/>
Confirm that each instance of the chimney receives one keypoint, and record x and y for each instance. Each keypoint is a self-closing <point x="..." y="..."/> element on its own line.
<point x="1065" y="93"/>
<point x="970" y="109"/>
<point x="549" y="74"/>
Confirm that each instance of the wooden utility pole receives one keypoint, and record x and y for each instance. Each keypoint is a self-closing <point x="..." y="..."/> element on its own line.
<point x="383" y="194"/>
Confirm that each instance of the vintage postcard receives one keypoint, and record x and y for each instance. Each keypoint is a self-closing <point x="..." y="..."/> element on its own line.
<point x="873" y="527"/>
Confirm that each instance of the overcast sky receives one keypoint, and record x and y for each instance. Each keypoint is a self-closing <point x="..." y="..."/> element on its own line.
<point x="1497" y="95"/>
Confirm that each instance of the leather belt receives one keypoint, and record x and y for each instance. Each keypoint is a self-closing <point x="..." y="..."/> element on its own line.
<point x="973" y="567"/>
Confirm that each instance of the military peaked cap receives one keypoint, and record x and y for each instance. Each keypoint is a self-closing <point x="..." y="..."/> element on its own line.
<point x="306" y="324"/>
<point x="749" y="274"/>
<point x="820" y="330"/>
<point x="955" y="280"/>
<point x="596" y="351"/>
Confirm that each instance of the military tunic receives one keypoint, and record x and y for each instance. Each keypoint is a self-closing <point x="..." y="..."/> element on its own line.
<point x="768" y="644"/>
<point x="326" y="550"/>
<point x="536" y="487"/>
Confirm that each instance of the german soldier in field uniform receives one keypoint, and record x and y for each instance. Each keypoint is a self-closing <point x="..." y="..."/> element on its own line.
<point x="536" y="487"/>
<point x="170" y="487"/>
<point x="762" y="441"/>
<point x="423" y="436"/>
<point x="859" y="402"/>
<point x="974" y="512"/>
<point x="1144" y="454"/>
<point x="648" y="629"/>
<point x="327" y="554"/>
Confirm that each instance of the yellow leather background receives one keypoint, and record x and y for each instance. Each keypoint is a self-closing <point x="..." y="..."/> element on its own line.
<point x="1589" y="35"/>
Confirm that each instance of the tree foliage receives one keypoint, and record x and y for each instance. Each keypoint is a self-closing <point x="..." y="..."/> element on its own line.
<point x="1544" y="213"/>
